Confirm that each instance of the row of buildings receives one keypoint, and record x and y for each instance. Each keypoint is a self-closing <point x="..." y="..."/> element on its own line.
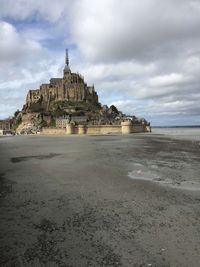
<point x="5" y="126"/>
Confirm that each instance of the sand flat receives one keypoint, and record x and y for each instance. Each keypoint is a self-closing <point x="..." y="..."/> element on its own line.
<point x="182" y="133"/>
<point x="99" y="201"/>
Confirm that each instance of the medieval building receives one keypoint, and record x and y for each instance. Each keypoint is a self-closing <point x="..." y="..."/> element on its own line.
<point x="71" y="87"/>
<point x="5" y="124"/>
<point x="69" y="103"/>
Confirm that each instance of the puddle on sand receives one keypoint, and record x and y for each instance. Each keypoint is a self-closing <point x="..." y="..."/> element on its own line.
<point x="142" y="173"/>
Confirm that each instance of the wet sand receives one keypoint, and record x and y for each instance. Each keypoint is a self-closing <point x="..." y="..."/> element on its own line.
<point x="99" y="201"/>
<point x="182" y="133"/>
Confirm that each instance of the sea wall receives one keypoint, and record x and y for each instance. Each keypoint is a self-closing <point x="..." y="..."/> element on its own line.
<point x="125" y="128"/>
<point x="138" y="128"/>
<point x="103" y="129"/>
<point x="55" y="131"/>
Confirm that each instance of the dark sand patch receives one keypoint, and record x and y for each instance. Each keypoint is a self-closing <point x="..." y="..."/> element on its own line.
<point x="40" y="157"/>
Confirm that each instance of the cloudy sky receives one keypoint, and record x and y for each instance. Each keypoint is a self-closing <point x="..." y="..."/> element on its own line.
<point x="142" y="55"/>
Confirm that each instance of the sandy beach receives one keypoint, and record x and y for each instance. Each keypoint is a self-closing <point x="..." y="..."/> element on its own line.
<point x="112" y="200"/>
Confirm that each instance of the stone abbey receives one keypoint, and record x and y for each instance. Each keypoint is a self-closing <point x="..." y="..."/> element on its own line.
<point x="69" y="105"/>
<point x="71" y="87"/>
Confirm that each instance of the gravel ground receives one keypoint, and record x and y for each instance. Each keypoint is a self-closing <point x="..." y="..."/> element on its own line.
<point x="99" y="201"/>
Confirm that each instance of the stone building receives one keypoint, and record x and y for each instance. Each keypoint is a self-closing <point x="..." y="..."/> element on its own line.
<point x="62" y="122"/>
<point x="71" y="88"/>
<point x="5" y="124"/>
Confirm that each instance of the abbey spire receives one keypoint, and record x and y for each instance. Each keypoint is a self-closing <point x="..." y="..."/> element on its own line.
<point x="66" y="69"/>
<point x="67" y="58"/>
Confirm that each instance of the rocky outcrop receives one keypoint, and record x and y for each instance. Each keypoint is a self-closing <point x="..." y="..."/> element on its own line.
<point x="30" y="123"/>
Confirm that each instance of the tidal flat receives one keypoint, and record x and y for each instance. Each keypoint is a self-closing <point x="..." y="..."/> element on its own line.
<point x="111" y="200"/>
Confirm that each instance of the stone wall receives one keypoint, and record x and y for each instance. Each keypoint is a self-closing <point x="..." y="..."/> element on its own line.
<point x="124" y="128"/>
<point x="53" y="131"/>
<point x="127" y="127"/>
<point x="104" y="129"/>
<point x="4" y="132"/>
<point x="138" y="129"/>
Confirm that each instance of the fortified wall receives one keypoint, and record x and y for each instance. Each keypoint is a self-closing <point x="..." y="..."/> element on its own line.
<point x="126" y="127"/>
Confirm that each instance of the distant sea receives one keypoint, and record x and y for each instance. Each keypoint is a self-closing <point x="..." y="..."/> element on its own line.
<point x="180" y="132"/>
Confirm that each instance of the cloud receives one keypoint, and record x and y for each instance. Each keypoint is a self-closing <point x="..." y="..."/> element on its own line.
<point x="12" y="46"/>
<point x="51" y="11"/>
<point x="144" y="51"/>
<point x="166" y="80"/>
<point x="114" y="30"/>
<point x="24" y="65"/>
<point x="142" y="55"/>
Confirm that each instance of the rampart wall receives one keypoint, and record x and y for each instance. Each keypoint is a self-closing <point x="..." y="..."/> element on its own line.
<point x="103" y="129"/>
<point x="124" y="128"/>
<point x="55" y="131"/>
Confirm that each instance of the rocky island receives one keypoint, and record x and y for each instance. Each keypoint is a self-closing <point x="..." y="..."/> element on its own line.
<point x="69" y="103"/>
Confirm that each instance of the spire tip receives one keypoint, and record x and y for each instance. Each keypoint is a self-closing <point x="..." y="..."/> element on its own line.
<point x="67" y="57"/>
